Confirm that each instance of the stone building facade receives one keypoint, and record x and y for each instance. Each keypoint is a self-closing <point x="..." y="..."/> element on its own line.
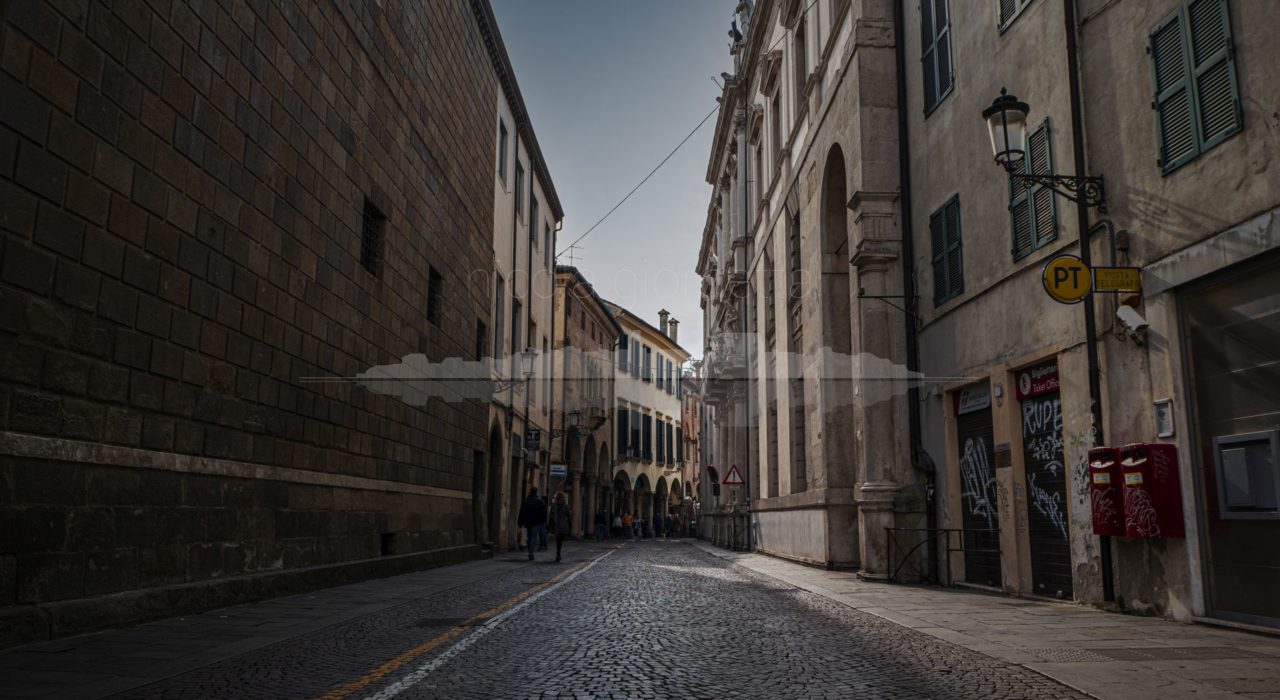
<point x="586" y="335"/>
<point x="648" y="417"/>
<point x="521" y="277"/>
<point x="1175" y="116"/>
<point x="202" y="210"/>
<point x="803" y="224"/>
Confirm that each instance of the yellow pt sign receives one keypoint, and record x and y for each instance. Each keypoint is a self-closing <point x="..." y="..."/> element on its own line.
<point x="1067" y="279"/>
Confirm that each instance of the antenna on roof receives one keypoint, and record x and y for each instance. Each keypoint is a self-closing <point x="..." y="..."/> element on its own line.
<point x="571" y="250"/>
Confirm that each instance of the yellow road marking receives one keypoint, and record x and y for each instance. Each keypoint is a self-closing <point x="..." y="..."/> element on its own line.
<point x="383" y="670"/>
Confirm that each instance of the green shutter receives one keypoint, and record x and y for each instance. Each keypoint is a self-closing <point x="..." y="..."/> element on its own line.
<point x="1033" y="208"/>
<point x="938" y="237"/>
<point x="1174" y="120"/>
<point x="1217" y="96"/>
<point x="955" y="265"/>
<point x="948" y="266"/>
<point x="935" y="59"/>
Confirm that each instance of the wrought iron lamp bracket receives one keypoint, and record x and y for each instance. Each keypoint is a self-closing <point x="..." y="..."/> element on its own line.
<point x="1077" y="188"/>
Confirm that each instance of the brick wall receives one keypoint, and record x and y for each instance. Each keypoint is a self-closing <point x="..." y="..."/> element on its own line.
<point x="183" y="184"/>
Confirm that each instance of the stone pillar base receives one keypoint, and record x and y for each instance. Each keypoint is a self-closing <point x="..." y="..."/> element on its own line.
<point x="875" y="513"/>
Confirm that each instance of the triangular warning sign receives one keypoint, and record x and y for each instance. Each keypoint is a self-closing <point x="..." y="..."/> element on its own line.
<point x="734" y="477"/>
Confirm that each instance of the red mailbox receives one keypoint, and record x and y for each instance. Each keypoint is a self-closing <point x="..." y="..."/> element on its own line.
<point x="1104" y="491"/>
<point x="1152" y="497"/>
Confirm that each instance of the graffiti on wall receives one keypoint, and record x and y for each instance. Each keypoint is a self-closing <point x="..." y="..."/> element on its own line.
<point x="979" y="481"/>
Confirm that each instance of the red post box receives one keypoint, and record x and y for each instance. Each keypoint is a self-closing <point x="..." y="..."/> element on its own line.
<point x="1104" y="491"/>
<point x="1152" y="496"/>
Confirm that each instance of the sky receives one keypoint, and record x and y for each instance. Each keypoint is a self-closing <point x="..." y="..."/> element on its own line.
<point x="611" y="87"/>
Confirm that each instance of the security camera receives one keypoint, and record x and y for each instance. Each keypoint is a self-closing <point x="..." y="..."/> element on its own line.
<point x="1131" y="319"/>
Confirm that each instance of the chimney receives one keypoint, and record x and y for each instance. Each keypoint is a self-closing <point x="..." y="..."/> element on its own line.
<point x="674" y="325"/>
<point x="662" y="320"/>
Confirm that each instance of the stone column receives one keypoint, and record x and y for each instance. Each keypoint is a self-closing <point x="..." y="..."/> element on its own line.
<point x="875" y="259"/>
<point x="575" y="503"/>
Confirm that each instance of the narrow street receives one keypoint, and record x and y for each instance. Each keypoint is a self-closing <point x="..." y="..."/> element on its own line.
<point x="647" y="619"/>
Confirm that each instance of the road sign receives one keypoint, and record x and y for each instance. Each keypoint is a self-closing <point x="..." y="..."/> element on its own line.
<point x="533" y="438"/>
<point x="734" y="477"/>
<point x="559" y="471"/>
<point x="1117" y="279"/>
<point x="1067" y="279"/>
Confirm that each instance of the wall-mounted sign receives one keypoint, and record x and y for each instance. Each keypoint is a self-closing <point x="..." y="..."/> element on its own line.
<point x="1037" y="380"/>
<point x="1117" y="279"/>
<point x="559" y="471"/>
<point x="1067" y="279"/>
<point x="1164" y="418"/>
<point x="532" y="438"/>
<point x="972" y="398"/>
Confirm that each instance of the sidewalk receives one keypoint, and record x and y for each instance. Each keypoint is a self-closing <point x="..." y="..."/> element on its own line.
<point x="1104" y="654"/>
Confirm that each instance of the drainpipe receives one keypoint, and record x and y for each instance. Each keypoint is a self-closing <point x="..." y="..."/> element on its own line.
<point x="919" y="459"/>
<point x="1082" y="216"/>
<point x="745" y="230"/>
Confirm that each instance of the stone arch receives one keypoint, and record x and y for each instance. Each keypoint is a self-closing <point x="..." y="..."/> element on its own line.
<point x="661" y="495"/>
<point x="836" y="333"/>
<point x="492" y="522"/>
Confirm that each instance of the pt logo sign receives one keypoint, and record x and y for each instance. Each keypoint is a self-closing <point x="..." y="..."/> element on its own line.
<point x="1067" y="279"/>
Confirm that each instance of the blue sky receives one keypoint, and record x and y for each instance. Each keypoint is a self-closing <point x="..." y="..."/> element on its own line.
<point x="612" y="86"/>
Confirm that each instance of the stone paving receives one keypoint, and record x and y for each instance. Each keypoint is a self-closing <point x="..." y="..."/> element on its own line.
<point x="647" y="620"/>
<point x="1105" y="654"/>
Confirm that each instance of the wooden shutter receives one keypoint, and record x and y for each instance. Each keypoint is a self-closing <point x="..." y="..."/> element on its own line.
<point x="1032" y="207"/>
<point x="1174" y="119"/>
<point x="955" y="265"/>
<point x="1213" y="66"/>
<point x="1008" y="8"/>
<point x="938" y="239"/>
<point x="935" y="43"/>
<point x="624" y="431"/>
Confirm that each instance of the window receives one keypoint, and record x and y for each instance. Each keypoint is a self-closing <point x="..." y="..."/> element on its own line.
<point x="502" y="152"/>
<point x="519" y="190"/>
<point x="635" y="450"/>
<point x="624" y="431"/>
<point x="547" y="245"/>
<point x="801" y="63"/>
<point x="533" y="220"/>
<point x="372" y="224"/>
<point x="622" y="353"/>
<point x="1033" y="207"/>
<point x="648" y="364"/>
<point x="635" y="359"/>
<point x="435" y="287"/>
<point x="671" y="446"/>
<point x="755" y="206"/>
<point x="515" y="337"/>
<point x="1009" y="10"/>
<point x="662" y="453"/>
<point x="1197" y="98"/>
<point x="793" y="259"/>
<point x="935" y="43"/>
<point x="775" y="131"/>
<point x="948" y="267"/>
<point x="499" y="322"/>
<point x="680" y="445"/>
<point x="647" y="436"/>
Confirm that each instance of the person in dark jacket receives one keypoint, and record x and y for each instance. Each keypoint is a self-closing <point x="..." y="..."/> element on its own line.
<point x="533" y="517"/>
<point x="561" y="518"/>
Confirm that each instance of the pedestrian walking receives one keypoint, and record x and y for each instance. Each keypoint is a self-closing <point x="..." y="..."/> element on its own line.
<point x="561" y="517"/>
<point x="628" y="526"/>
<point x="533" y="518"/>
<point x="668" y="526"/>
<point x="617" y="526"/>
<point x="601" y="524"/>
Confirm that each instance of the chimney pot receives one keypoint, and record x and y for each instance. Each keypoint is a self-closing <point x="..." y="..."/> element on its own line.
<point x="674" y="326"/>
<point x="662" y="320"/>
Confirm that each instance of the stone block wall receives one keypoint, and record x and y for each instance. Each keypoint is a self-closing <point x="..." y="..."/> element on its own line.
<point x="183" y="188"/>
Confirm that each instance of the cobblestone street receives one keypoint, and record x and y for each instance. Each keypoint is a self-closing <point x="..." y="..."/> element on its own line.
<point x="649" y="619"/>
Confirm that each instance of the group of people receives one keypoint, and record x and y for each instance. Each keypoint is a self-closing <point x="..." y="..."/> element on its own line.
<point x="625" y="525"/>
<point x="538" y="521"/>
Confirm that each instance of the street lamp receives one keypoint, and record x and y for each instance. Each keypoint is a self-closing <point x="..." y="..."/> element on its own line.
<point x="527" y="359"/>
<point x="1007" y="125"/>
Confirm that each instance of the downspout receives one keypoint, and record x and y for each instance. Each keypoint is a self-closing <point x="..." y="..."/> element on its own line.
<point x="919" y="459"/>
<point x="528" y="295"/>
<point x="511" y="401"/>
<point x="745" y="226"/>
<point x="1082" y="216"/>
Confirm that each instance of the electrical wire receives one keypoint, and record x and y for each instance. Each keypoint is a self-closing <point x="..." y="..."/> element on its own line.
<point x="714" y="110"/>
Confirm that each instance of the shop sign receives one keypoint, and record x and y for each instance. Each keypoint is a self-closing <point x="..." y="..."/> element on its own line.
<point x="972" y="398"/>
<point x="1067" y="279"/>
<point x="1041" y="379"/>
<point x="1117" y="279"/>
<point x="559" y="471"/>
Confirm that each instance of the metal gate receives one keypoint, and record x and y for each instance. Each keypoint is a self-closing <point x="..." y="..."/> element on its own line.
<point x="978" y="487"/>
<point x="1046" y="489"/>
